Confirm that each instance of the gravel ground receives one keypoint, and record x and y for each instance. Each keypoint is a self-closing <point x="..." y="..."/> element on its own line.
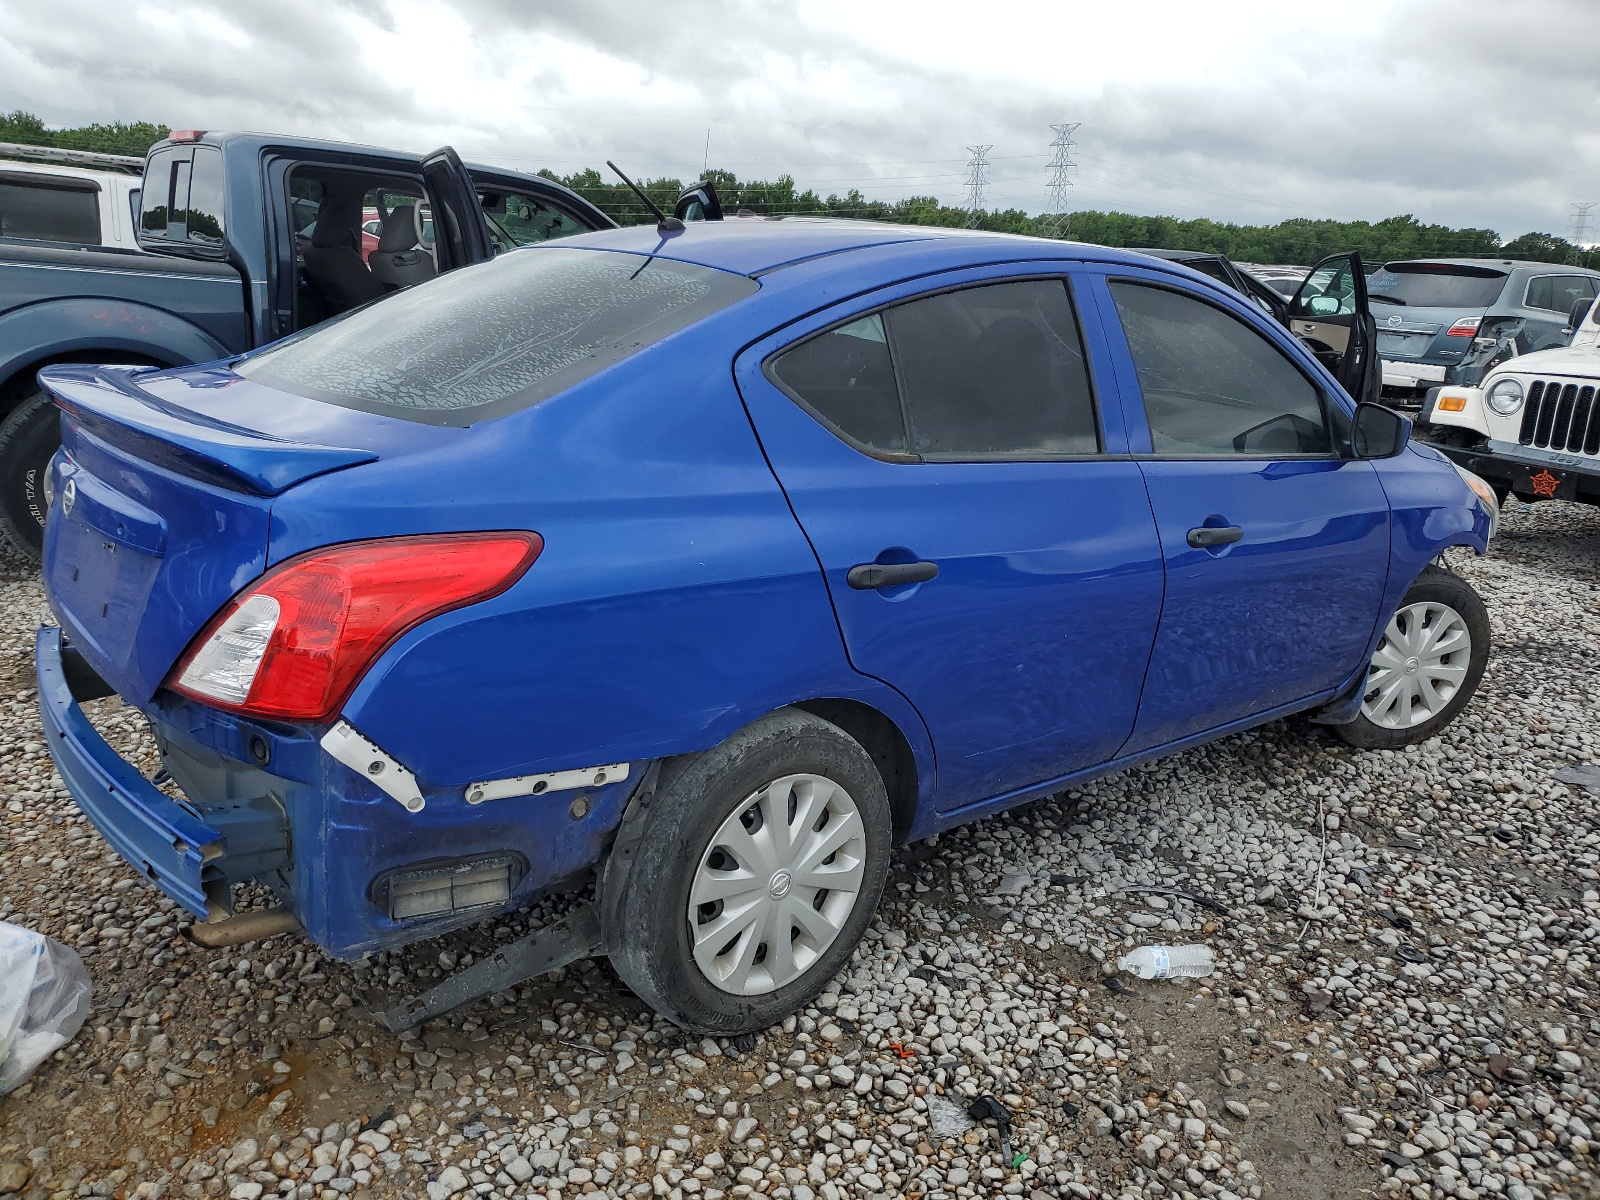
<point x="1406" y="1001"/>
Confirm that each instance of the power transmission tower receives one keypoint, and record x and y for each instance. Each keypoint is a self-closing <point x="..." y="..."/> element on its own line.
<point x="976" y="166"/>
<point x="1579" y="234"/>
<point x="1058" y="202"/>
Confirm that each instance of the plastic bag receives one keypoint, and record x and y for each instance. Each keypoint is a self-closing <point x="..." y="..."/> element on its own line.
<point x="44" y="998"/>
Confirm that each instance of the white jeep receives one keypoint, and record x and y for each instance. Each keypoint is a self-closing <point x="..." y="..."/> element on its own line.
<point x="1532" y="427"/>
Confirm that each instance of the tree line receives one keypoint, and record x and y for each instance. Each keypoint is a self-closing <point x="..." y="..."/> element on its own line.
<point x="117" y="138"/>
<point x="1299" y="240"/>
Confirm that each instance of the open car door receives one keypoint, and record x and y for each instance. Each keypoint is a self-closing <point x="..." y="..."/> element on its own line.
<point x="1330" y="315"/>
<point x="698" y="202"/>
<point x="460" y="235"/>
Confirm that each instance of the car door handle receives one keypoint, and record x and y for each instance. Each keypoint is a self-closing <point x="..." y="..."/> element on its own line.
<point x="866" y="577"/>
<point x="1214" y="535"/>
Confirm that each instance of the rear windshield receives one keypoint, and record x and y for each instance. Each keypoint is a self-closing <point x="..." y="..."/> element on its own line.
<point x="483" y="340"/>
<point x="1436" y="285"/>
<point x="45" y="210"/>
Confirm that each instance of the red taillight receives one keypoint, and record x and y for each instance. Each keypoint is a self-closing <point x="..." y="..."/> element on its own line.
<point x="1465" y="327"/>
<point x="293" y="645"/>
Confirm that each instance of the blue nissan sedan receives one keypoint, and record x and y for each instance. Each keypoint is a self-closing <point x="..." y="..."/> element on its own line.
<point x="704" y="565"/>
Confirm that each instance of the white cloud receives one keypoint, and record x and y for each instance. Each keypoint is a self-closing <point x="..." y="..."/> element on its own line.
<point x="1461" y="111"/>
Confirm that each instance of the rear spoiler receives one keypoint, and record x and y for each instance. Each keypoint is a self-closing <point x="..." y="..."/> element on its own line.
<point x="107" y="403"/>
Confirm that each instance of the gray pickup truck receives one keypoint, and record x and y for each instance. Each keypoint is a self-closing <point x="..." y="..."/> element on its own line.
<point x="246" y="238"/>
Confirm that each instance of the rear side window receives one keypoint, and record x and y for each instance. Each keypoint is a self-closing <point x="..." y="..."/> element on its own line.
<point x="1211" y="384"/>
<point x="846" y="378"/>
<point x="44" y="209"/>
<point x="483" y="340"/>
<point x="1558" y="293"/>
<point x="995" y="371"/>
<point x="1437" y="285"/>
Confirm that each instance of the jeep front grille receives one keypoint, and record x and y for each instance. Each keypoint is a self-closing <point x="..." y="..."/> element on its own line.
<point x="1560" y="416"/>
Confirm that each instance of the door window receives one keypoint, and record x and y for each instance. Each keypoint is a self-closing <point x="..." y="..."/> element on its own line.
<point x="49" y="209"/>
<point x="1558" y="293"/>
<point x="1329" y="291"/>
<point x="994" y="371"/>
<point x="358" y="236"/>
<point x="522" y="219"/>
<point x="1212" y="385"/>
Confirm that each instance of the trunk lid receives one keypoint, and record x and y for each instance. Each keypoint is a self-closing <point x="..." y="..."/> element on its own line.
<point x="162" y="512"/>
<point x="1421" y="334"/>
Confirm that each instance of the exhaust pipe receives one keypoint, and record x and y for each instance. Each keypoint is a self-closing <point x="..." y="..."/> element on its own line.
<point x="254" y="926"/>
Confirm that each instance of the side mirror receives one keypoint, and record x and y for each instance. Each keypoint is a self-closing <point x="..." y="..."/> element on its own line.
<point x="1379" y="432"/>
<point x="1323" y="306"/>
<point x="1579" y="313"/>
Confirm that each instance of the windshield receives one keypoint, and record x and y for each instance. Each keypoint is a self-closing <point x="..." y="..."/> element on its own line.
<point x="484" y="340"/>
<point x="1436" y="285"/>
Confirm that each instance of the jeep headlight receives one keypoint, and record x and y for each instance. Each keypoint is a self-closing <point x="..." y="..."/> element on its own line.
<point x="1505" y="397"/>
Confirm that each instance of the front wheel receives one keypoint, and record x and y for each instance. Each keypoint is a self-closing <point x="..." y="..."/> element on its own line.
<point x="1427" y="665"/>
<point x="758" y="870"/>
<point x="29" y="437"/>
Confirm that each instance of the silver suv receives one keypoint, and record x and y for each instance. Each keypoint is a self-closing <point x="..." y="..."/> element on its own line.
<point x="1448" y="320"/>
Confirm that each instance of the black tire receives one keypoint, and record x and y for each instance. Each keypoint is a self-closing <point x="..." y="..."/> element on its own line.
<point x="647" y="909"/>
<point x="1437" y="586"/>
<point x="29" y="436"/>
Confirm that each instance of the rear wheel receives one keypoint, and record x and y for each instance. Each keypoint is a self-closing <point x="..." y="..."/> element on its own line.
<point x="29" y="437"/>
<point x="758" y="871"/>
<point x="1427" y="665"/>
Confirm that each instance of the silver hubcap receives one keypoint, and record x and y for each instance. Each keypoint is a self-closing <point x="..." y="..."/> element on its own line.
<point x="776" y="884"/>
<point x="1418" y="666"/>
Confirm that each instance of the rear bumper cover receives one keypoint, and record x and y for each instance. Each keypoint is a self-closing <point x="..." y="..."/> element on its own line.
<point x="157" y="835"/>
<point x="322" y="837"/>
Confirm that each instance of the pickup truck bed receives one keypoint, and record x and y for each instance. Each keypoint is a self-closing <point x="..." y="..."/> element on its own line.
<point x="164" y="309"/>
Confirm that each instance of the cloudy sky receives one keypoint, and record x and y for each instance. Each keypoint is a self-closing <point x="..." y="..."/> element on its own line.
<point x="1464" y="112"/>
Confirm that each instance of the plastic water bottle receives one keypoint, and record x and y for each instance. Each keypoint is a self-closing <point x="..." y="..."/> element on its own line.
<point x="1168" y="962"/>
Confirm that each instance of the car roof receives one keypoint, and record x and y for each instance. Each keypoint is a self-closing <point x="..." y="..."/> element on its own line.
<point x="1178" y="255"/>
<point x="65" y="171"/>
<point x="1491" y="263"/>
<point x="754" y="246"/>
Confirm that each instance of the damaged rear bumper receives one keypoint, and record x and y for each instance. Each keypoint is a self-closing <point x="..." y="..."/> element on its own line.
<point x="269" y="803"/>
<point x="162" y="839"/>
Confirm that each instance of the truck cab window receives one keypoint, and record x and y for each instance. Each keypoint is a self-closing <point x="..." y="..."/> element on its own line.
<point x="204" y="224"/>
<point x="156" y="198"/>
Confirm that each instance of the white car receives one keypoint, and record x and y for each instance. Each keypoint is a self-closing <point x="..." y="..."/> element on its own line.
<point x="68" y="197"/>
<point x="1532" y="427"/>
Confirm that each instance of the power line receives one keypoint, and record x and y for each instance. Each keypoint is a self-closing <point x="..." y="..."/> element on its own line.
<point x="1058" y="200"/>
<point x="1579" y="236"/>
<point x="976" y="166"/>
